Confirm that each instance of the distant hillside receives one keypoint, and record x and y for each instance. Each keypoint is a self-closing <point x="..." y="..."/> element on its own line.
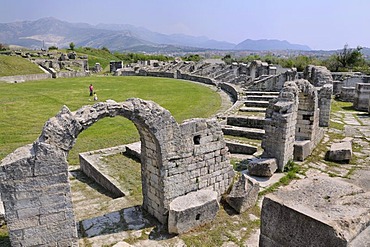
<point x="366" y="51"/>
<point x="269" y="44"/>
<point x="53" y="32"/>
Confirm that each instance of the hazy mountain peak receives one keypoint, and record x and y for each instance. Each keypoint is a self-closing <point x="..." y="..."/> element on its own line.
<point x="119" y="37"/>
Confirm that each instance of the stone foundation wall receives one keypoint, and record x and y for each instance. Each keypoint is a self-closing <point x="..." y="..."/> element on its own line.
<point x="230" y="89"/>
<point x="71" y="74"/>
<point x="22" y="78"/>
<point x="347" y="94"/>
<point x="160" y="74"/>
<point x="362" y="95"/>
<point x="196" y="78"/>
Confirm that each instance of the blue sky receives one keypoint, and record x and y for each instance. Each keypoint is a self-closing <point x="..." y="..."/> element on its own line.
<point x="320" y="24"/>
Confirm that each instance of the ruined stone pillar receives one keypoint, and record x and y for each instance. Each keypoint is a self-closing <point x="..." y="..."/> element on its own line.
<point x="325" y="93"/>
<point x="37" y="197"/>
<point x="280" y="126"/>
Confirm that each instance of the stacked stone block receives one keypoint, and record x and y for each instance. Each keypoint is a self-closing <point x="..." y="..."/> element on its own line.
<point x="280" y="125"/>
<point x="308" y="113"/>
<point x="324" y="94"/>
<point x="37" y="197"/>
<point x="292" y="119"/>
<point x="318" y="75"/>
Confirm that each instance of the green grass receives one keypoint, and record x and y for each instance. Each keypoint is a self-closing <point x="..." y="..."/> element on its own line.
<point x="4" y="239"/>
<point x="223" y="229"/>
<point x="337" y="105"/>
<point x="12" y="65"/>
<point x="25" y="107"/>
<point x="128" y="175"/>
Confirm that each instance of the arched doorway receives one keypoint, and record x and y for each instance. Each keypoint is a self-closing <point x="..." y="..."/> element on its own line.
<point x="176" y="159"/>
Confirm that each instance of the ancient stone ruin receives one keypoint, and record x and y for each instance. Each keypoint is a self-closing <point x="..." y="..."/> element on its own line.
<point x="292" y="123"/>
<point x="186" y="167"/>
<point x="176" y="159"/>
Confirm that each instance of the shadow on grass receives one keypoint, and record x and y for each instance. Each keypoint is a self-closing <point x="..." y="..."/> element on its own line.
<point x="79" y="175"/>
<point x="348" y="108"/>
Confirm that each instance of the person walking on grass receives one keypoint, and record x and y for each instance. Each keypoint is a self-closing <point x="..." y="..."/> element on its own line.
<point x="91" y="88"/>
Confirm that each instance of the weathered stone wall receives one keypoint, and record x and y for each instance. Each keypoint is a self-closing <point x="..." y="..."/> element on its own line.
<point x="71" y="74"/>
<point x="362" y="96"/>
<point x="176" y="159"/>
<point x="36" y="194"/>
<point x="280" y="124"/>
<point x="291" y="119"/>
<point x="308" y="114"/>
<point x="269" y="83"/>
<point x="22" y="78"/>
<point x="160" y="74"/>
<point x="318" y="75"/>
<point x="347" y="94"/>
<point x="196" y="78"/>
<point x="230" y="89"/>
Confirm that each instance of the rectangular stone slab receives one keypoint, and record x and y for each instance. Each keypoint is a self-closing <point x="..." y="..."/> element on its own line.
<point x="192" y="210"/>
<point x="319" y="211"/>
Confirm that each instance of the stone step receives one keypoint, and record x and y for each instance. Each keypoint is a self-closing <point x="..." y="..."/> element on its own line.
<point x="254" y="103"/>
<point x="252" y="109"/>
<point x="250" y="133"/>
<point x="261" y="93"/>
<point x="246" y="121"/>
<point x="261" y="97"/>
<point x="240" y="148"/>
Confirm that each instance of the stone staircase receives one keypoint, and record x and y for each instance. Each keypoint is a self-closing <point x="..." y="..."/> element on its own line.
<point x="248" y="123"/>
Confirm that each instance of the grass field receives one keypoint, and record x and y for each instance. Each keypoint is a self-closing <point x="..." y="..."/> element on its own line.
<point x="11" y="65"/>
<point x="25" y="107"/>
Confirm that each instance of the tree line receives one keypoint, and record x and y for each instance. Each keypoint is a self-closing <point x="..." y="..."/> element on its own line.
<point x="344" y="60"/>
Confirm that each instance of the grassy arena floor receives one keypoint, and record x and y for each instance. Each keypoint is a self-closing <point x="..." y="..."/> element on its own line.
<point x="25" y="107"/>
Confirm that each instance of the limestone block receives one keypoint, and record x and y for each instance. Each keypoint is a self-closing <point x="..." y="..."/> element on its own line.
<point x="317" y="211"/>
<point x="302" y="149"/>
<point x="340" y="152"/>
<point x="192" y="210"/>
<point x="262" y="167"/>
<point x="244" y="194"/>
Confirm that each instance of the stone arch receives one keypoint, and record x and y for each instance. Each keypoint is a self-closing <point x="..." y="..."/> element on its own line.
<point x="34" y="179"/>
<point x="157" y="129"/>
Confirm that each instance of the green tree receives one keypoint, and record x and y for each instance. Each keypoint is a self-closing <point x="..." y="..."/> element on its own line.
<point x="71" y="46"/>
<point x="227" y="59"/>
<point x="105" y="49"/>
<point x="349" y="58"/>
<point x="53" y="47"/>
<point x="194" y="58"/>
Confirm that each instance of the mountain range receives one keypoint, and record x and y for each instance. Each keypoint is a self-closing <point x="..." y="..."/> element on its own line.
<point x="49" y="31"/>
